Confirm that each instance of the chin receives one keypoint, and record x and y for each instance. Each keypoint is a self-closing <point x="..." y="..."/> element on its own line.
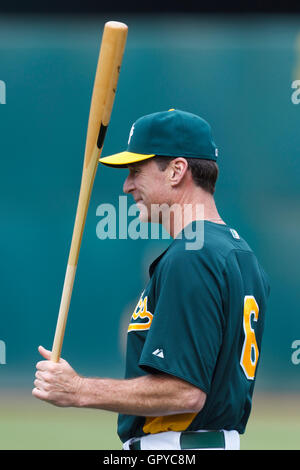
<point x="144" y="214"/>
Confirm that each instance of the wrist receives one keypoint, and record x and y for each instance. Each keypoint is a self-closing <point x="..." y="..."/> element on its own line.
<point x="87" y="392"/>
<point x="79" y="391"/>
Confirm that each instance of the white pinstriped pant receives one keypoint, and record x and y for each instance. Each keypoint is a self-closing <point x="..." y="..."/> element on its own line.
<point x="170" y="440"/>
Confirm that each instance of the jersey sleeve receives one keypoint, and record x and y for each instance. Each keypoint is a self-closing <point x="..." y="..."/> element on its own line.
<point x="186" y="331"/>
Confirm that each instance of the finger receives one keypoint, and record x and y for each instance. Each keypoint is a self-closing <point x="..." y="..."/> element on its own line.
<point x="44" y="352"/>
<point x="43" y="375"/>
<point x="47" y="354"/>
<point x="40" y="384"/>
<point x="44" y="365"/>
<point x="40" y="394"/>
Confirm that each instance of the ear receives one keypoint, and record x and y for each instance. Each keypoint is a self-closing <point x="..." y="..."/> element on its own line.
<point x="177" y="170"/>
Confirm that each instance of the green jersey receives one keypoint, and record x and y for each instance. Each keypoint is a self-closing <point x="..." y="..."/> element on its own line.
<point x="200" y="318"/>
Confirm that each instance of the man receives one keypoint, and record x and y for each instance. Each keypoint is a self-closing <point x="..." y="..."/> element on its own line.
<point x="195" y="336"/>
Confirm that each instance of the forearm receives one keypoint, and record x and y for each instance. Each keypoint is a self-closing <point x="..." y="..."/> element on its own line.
<point x="150" y="395"/>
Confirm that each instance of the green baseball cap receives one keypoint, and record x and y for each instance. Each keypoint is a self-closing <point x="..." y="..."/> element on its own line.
<point x="172" y="133"/>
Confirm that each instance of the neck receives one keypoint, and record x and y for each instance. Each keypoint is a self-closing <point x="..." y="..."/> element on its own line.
<point x="195" y="205"/>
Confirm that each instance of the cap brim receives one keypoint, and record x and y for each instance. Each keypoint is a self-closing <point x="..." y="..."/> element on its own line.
<point x="121" y="160"/>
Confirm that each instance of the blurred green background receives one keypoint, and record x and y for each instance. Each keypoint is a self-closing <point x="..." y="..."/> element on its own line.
<point x="236" y="72"/>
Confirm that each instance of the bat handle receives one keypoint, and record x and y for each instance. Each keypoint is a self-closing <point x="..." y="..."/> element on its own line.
<point x="63" y="312"/>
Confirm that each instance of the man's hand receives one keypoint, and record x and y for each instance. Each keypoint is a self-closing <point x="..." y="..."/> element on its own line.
<point x="56" y="383"/>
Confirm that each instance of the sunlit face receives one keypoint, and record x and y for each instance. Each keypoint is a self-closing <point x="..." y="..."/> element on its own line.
<point x="148" y="186"/>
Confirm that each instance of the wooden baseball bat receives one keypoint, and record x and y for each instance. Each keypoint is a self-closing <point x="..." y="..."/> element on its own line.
<point x="105" y="84"/>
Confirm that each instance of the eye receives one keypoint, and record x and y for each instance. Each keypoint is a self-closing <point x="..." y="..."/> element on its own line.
<point x="134" y="171"/>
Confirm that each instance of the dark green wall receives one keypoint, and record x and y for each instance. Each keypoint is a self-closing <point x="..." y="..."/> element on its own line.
<point x="235" y="73"/>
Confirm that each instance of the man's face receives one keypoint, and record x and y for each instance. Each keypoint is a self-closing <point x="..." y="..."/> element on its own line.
<point x="148" y="185"/>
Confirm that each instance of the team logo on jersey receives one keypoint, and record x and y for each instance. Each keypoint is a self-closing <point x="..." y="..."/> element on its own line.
<point x="141" y="312"/>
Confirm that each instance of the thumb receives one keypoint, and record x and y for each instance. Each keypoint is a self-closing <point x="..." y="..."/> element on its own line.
<point x="44" y="352"/>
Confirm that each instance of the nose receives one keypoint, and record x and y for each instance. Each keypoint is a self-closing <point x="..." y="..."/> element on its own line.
<point x="128" y="185"/>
